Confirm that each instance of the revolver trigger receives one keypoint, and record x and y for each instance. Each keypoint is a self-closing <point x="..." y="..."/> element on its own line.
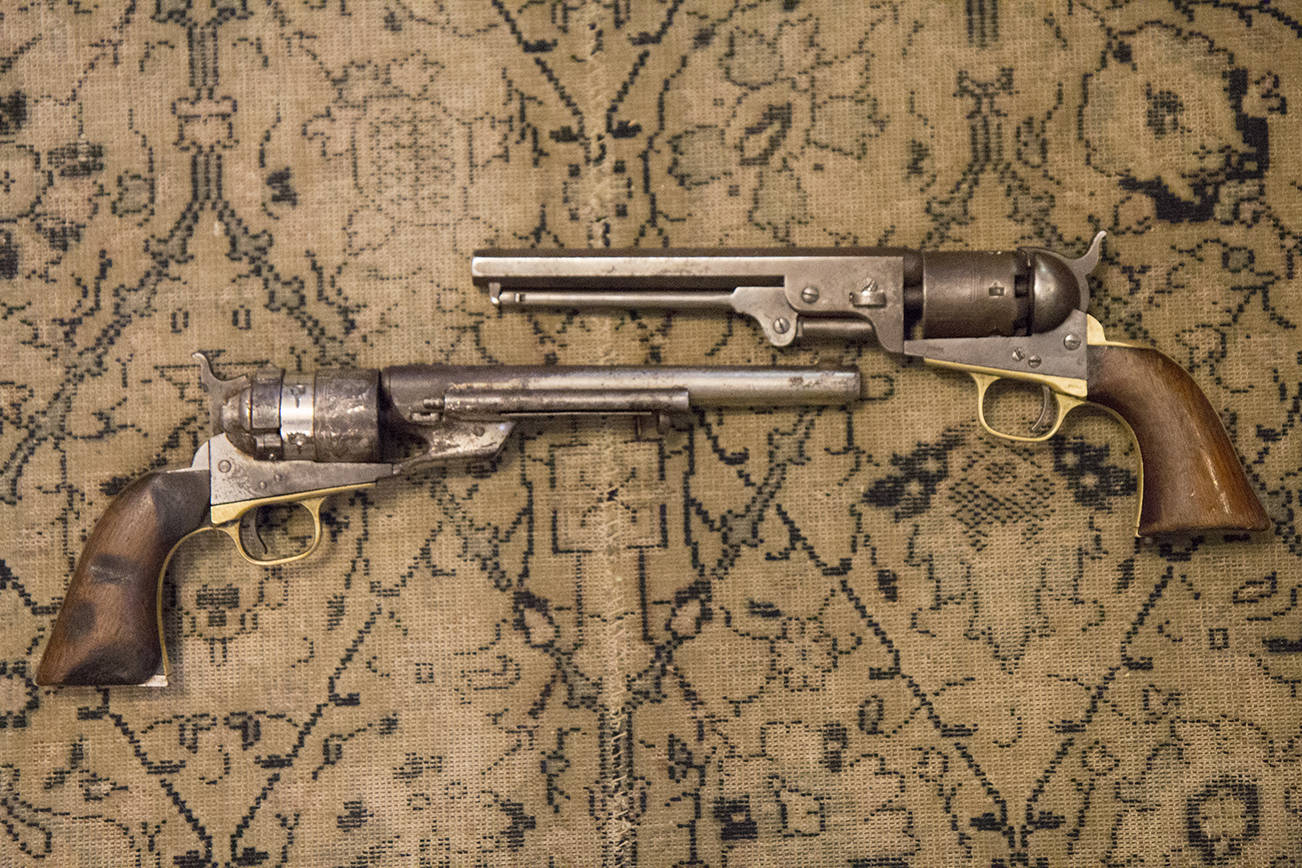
<point x="233" y="529"/>
<point x="1053" y="411"/>
<point x="1048" y="411"/>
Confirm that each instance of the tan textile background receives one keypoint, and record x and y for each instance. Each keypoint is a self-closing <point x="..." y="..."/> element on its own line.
<point x="875" y="637"/>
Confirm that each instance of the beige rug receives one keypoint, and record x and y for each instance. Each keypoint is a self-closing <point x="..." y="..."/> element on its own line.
<point x="870" y="638"/>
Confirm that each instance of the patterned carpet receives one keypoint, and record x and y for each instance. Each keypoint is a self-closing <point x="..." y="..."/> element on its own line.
<point x="866" y="637"/>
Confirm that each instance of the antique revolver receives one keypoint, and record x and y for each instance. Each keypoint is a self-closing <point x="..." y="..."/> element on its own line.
<point x="1019" y="315"/>
<point x="281" y="437"/>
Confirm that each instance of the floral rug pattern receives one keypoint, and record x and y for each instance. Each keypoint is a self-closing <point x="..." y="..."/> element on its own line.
<point x="864" y="637"/>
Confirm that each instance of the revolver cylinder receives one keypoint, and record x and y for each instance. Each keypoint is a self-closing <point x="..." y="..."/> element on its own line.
<point x="969" y="294"/>
<point x="330" y="415"/>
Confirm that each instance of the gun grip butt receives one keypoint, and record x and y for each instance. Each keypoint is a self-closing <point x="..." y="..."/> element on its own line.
<point x="1191" y="478"/>
<point x="107" y="631"/>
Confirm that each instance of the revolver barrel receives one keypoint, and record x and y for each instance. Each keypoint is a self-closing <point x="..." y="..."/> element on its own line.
<point x="854" y="294"/>
<point x="417" y="391"/>
<point x="649" y="268"/>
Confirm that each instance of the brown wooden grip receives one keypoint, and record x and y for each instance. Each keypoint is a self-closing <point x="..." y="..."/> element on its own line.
<point x="107" y="629"/>
<point x="1191" y="477"/>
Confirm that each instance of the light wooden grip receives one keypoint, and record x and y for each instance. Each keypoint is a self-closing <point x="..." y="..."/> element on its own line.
<point x="107" y="629"/>
<point x="1191" y="476"/>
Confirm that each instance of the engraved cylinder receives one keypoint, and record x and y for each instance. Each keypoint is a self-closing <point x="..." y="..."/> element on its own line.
<point x="347" y="414"/>
<point x="332" y="415"/>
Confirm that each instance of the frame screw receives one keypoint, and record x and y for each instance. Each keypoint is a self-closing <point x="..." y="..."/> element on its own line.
<point x="1018" y="354"/>
<point x="1033" y="361"/>
<point x="224" y="466"/>
<point x="780" y="325"/>
<point x="1071" y="341"/>
<point x="809" y="294"/>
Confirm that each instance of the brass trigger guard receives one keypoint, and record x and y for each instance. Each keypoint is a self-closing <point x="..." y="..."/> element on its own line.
<point x="231" y="527"/>
<point x="1062" y="403"/>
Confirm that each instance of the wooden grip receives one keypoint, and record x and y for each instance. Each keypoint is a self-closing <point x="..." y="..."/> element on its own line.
<point x="107" y="629"/>
<point x="1191" y="477"/>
